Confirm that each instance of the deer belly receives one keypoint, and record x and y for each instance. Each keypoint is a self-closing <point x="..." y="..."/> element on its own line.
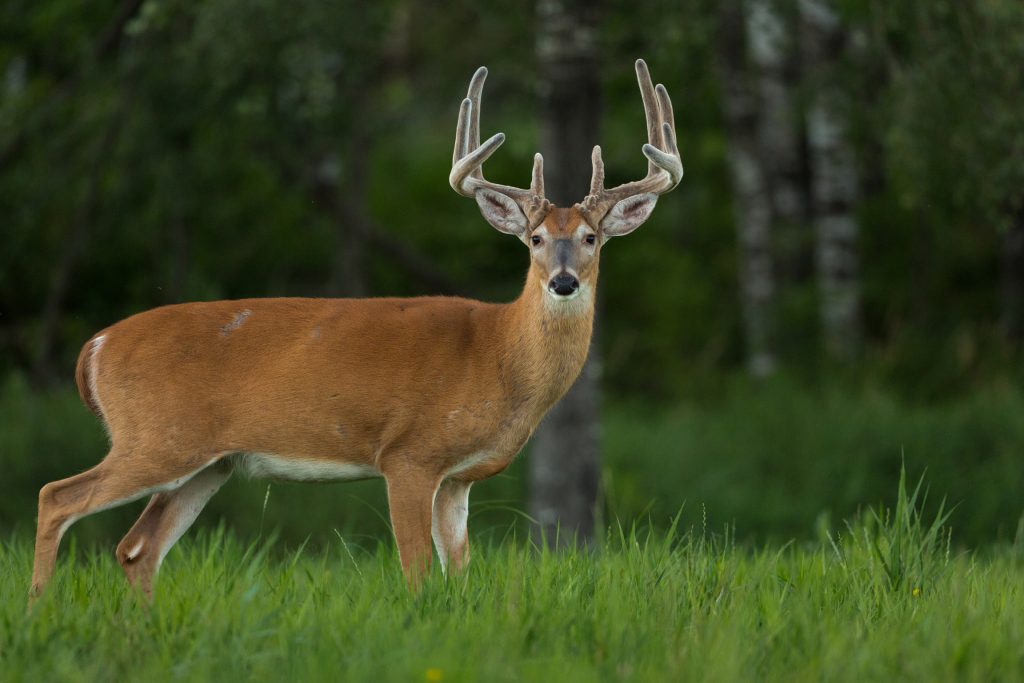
<point x="270" y="466"/>
<point x="479" y="466"/>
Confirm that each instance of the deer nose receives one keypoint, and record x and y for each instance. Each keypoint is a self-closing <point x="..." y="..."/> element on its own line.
<point x="563" y="284"/>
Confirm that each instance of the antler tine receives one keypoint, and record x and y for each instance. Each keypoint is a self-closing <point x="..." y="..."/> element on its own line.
<point x="668" y="118"/>
<point x="537" y="179"/>
<point x="460" y="131"/>
<point x="652" y="111"/>
<point x="474" y="95"/>
<point x="597" y="173"/>
<point x="461" y="178"/>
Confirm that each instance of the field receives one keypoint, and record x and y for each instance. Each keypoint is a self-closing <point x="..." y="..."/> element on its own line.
<point x="884" y="598"/>
<point x="765" y="535"/>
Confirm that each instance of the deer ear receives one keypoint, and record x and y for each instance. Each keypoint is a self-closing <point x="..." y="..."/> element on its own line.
<point x="501" y="212"/>
<point x="628" y="214"/>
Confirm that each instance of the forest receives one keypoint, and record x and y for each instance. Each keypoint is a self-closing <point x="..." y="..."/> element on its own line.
<point x="834" y="291"/>
<point x="795" y="452"/>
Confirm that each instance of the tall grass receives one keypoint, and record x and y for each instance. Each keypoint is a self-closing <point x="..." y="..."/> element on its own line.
<point x="650" y="605"/>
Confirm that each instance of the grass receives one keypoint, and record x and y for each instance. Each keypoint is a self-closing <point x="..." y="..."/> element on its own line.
<point x="882" y="597"/>
<point x="788" y="591"/>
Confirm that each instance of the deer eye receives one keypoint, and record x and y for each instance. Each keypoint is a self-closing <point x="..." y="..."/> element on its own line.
<point x="536" y="240"/>
<point x="590" y="239"/>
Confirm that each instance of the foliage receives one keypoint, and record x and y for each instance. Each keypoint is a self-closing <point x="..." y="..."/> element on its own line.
<point x="956" y="134"/>
<point x="780" y="459"/>
<point x="176" y="157"/>
<point x="649" y="606"/>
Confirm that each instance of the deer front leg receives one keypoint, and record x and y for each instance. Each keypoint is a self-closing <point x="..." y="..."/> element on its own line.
<point x="451" y="512"/>
<point x="410" y="501"/>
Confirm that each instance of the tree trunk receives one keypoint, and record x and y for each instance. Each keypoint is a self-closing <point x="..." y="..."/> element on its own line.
<point x="564" y="463"/>
<point x="774" y="61"/>
<point x="833" y="188"/>
<point x="751" y="191"/>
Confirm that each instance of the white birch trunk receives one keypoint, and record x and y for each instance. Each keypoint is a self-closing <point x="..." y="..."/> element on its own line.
<point x="834" y="189"/>
<point x="773" y="57"/>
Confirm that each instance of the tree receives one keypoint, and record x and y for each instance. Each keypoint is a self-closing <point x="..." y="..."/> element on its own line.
<point x="772" y="52"/>
<point x="564" y="464"/>
<point x="774" y="62"/>
<point x="833" y="184"/>
<point x="751" y="192"/>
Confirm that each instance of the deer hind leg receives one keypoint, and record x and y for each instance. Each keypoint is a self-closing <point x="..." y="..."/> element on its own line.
<point x="166" y="518"/>
<point x="451" y="512"/>
<point x="113" y="482"/>
<point x="410" y="502"/>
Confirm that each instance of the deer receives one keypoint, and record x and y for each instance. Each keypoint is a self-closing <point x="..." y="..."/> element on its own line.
<point x="430" y="393"/>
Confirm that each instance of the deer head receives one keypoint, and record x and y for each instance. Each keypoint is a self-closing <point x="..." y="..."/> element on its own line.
<point x="565" y="244"/>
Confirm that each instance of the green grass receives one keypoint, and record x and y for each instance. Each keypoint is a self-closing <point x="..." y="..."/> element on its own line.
<point x="882" y="597"/>
<point x="900" y="591"/>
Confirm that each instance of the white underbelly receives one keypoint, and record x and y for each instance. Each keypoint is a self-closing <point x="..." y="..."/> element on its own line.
<point x="270" y="466"/>
<point x="472" y="461"/>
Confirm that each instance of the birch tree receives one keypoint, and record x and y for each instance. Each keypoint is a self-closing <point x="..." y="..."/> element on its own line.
<point x="834" y="187"/>
<point x="774" y="59"/>
<point x="741" y="105"/>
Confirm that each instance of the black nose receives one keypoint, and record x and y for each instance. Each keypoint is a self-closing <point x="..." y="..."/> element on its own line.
<point x="563" y="284"/>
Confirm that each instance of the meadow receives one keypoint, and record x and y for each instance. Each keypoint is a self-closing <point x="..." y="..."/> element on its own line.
<point x="764" y="534"/>
<point x="885" y="597"/>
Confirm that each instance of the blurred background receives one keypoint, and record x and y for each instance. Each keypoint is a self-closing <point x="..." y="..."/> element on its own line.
<point x="836" y="287"/>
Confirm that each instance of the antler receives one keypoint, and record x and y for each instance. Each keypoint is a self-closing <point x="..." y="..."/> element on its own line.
<point x="664" y="166"/>
<point x="467" y="174"/>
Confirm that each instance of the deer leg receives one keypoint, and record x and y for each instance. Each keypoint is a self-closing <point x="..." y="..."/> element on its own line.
<point x="410" y="501"/>
<point x="166" y="519"/>
<point x="451" y="512"/>
<point x="113" y="482"/>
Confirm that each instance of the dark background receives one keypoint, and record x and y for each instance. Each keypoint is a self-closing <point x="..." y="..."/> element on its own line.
<point x="836" y="287"/>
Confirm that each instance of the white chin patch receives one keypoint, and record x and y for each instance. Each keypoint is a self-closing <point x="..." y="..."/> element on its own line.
<point x="563" y="297"/>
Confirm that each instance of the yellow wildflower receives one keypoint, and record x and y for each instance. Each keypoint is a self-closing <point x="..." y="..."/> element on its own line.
<point x="433" y="675"/>
<point x="916" y="592"/>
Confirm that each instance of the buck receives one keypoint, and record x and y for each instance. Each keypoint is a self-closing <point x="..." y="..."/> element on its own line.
<point x="432" y="393"/>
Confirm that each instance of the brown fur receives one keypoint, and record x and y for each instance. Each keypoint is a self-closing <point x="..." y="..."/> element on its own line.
<point x="412" y="388"/>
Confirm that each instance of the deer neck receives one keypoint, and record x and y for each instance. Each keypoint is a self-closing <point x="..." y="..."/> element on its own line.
<point x="547" y="342"/>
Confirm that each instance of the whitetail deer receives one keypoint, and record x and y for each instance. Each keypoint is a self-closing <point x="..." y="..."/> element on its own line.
<point x="432" y="393"/>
